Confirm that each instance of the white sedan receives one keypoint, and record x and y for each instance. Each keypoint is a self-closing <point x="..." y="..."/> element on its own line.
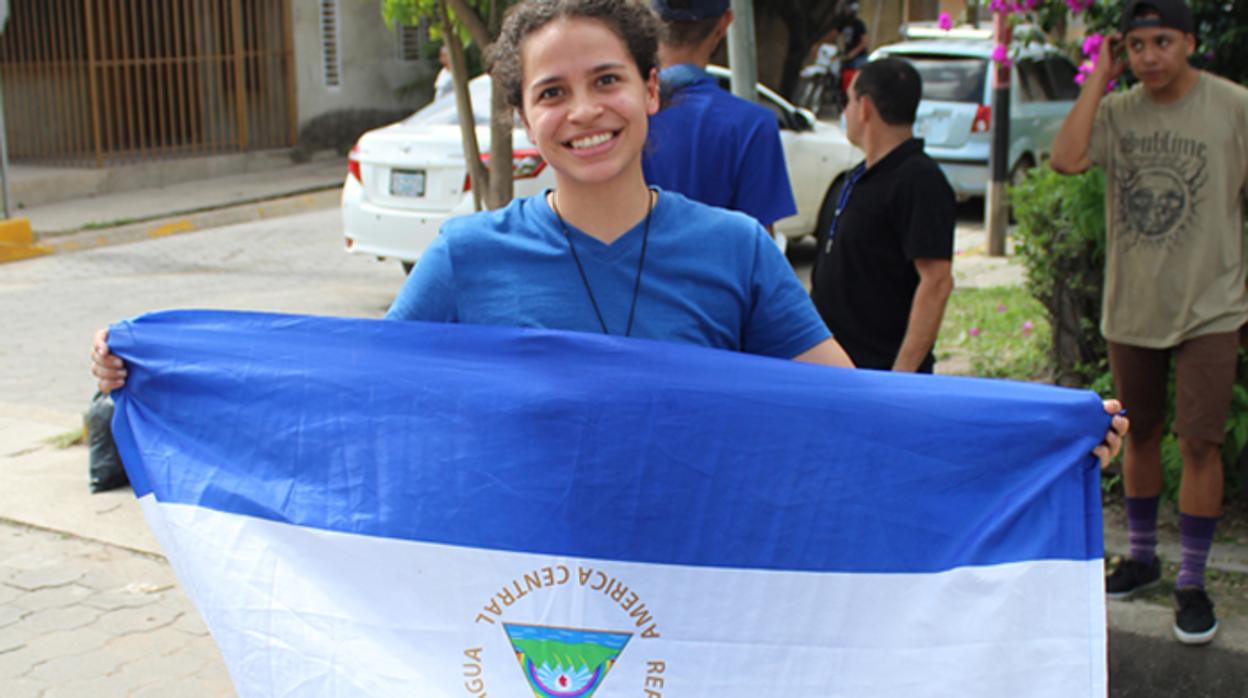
<point x="405" y="179"/>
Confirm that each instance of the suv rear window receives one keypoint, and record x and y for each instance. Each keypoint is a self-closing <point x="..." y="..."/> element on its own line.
<point x="951" y="78"/>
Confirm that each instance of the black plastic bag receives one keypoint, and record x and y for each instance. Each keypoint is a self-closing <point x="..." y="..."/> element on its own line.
<point x="106" y="470"/>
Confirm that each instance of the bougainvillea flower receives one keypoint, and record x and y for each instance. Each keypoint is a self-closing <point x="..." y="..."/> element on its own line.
<point x="1001" y="55"/>
<point x="1092" y="45"/>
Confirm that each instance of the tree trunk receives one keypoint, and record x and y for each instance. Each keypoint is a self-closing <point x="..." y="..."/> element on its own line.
<point x="463" y="105"/>
<point x="502" y="124"/>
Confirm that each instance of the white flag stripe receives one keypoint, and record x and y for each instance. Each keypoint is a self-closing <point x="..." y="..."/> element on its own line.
<point x="310" y="612"/>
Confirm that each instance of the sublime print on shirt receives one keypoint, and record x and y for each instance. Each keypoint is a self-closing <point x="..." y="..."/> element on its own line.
<point x="1160" y="179"/>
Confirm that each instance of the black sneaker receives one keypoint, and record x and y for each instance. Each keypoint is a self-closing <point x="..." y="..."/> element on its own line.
<point x="1194" y="622"/>
<point x="1131" y="576"/>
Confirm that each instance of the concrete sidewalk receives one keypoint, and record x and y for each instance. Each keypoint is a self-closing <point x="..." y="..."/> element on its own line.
<point x="77" y="208"/>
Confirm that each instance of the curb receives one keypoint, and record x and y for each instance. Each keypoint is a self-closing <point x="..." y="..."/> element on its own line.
<point x="73" y="241"/>
<point x="18" y="242"/>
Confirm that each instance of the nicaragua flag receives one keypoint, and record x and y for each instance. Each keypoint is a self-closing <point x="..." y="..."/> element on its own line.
<point x="380" y="508"/>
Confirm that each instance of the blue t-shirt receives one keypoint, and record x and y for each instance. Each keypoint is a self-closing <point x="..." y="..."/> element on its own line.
<point x="719" y="149"/>
<point x="711" y="278"/>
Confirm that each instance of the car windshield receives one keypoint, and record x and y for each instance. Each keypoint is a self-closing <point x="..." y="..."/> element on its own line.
<point x="441" y="112"/>
<point x="951" y="78"/>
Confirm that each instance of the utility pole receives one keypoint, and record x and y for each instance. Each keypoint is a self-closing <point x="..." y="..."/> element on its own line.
<point x="997" y="213"/>
<point x="742" y="58"/>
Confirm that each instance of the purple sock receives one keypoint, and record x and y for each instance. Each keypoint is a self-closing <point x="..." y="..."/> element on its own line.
<point x="1142" y="528"/>
<point x="1195" y="539"/>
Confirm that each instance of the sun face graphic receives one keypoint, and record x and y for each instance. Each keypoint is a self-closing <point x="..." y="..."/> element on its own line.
<point x="1158" y="197"/>
<point x="1156" y="202"/>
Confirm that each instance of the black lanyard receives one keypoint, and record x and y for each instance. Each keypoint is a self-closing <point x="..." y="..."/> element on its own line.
<point x="645" y="238"/>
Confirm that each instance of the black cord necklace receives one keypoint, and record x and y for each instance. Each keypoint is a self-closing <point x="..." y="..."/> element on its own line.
<point x="641" y="262"/>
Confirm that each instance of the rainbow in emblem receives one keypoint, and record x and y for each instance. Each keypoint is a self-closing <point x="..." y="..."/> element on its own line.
<point x="564" y="662"/>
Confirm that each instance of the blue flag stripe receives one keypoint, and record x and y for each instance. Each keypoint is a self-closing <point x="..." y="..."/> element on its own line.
<point x="599" y="447"/>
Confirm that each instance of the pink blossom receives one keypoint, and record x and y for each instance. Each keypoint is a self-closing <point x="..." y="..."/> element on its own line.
<point x="1000" y="6"/>
<point x="1085" y="71"/>
<point x="945" y="21"/>
<point x="1028" y="327"/>
<point x="1092" y="45"/>
<point x="1030" y="4"/>
<point x="1001" y="55"/>
<point x="1001" y="308"/>
<point x="974" y="332"/>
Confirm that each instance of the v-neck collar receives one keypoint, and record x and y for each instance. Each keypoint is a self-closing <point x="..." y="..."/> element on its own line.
<point x="586" y="244"/>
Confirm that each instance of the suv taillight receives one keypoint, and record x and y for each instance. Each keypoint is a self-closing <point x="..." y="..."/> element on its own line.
<point x="983" y="119"/>
<point x="353" y="164"/>
<point x="525" y="164"/>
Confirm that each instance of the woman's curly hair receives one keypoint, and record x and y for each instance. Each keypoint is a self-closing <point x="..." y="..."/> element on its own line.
<point x="632" y="20"/>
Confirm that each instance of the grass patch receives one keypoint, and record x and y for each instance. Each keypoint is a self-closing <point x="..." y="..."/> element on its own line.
<point x="996" y="332"/>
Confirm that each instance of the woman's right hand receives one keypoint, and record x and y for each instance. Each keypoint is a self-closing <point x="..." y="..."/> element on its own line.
<point x="109" y="370"/>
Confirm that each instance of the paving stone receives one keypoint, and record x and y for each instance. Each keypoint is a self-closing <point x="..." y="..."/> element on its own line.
<point x="18" y="561"/>
<point x="81" y="667"/>
<point x="16" y="663"/>
<point x="206" y="648"/>
<point x="102" y="577"/>
<point x="45" y="578"/>
<point x="8" y="593"/>
<point x="192" y="624"/>
<point x="10" y="644"/>
<point x="102" y="686"/>
<point x="137" y="646"/>
<point x="214" y="672"/>
<point x="125" y="598"/>
<point x="188" y="686"/>
<point x="66" y="618"/>
<point x="19" y="633"/>
<point x="137" y="620"/>
<point x="26" y="688"/>
<point x="113" y="568"/>
<point x="53" y="597"/>
<point x="66" y="643"/>
<point x="9" y="615"/>
<point x="162" y="670"/>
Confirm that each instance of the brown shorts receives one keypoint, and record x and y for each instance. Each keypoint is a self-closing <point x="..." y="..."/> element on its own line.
<point x="1204" y="374"/>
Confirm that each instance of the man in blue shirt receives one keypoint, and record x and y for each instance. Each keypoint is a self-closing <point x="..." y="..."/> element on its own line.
<point x="706" y="143"/>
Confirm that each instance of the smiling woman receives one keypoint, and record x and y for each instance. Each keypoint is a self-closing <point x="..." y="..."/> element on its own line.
<point x="602" y="252"/>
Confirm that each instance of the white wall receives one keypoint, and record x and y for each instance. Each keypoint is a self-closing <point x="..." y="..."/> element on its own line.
<point x="370" y="76"/>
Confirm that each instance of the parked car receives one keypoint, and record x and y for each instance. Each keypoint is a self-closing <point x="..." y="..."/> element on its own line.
<point x="404" y="180"/>
<point x="955" y="116"/>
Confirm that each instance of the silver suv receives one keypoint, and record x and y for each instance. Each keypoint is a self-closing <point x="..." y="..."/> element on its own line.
<point x="954" y="115"/>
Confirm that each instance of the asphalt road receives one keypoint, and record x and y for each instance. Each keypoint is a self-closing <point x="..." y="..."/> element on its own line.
<point x="52" y="305"/>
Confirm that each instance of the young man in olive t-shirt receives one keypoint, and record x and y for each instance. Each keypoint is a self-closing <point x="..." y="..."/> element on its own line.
<point x="1175" y="153"/>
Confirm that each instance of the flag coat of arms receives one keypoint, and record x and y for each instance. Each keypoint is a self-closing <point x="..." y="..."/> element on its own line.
<point x="377" y="508"/>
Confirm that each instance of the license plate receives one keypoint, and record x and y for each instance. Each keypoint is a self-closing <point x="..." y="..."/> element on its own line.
<point x="407" y="182"/>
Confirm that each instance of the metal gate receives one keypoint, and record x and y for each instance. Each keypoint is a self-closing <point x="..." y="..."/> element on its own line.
<point x="103" y="81"/>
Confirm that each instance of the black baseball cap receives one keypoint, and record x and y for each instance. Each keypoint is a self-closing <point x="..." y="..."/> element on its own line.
<point x="1171" y="14"/>
<point x="689" y="10"/>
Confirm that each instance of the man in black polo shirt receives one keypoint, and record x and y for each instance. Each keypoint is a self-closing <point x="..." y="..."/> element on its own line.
<point x="883" y="271"/>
